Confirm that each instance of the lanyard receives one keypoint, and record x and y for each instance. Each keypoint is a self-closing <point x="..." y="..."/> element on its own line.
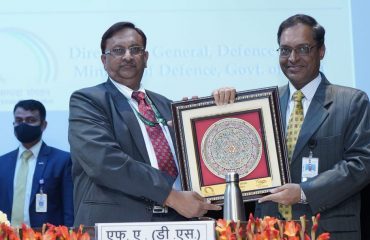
<point x="158" y="118"/>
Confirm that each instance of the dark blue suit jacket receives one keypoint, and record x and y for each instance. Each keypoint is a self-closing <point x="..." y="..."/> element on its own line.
<point x="54" y="166"/>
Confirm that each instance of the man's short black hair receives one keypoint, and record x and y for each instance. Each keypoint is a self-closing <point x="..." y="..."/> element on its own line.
<point x="32" y="105"/>
<point x="116" y="28"/>
<point x="317" y="30"/>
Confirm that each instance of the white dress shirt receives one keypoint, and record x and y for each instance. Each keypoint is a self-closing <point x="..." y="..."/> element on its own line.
<point x="308" y="91"/>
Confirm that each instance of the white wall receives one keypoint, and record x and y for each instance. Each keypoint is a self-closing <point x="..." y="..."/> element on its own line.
<point x="51" y="49"/>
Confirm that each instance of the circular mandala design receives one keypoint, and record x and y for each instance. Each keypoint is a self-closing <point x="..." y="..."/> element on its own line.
<point x="231" y="145"/>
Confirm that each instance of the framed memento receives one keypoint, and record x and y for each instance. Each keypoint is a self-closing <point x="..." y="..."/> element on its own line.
<point x="244" y="137"/>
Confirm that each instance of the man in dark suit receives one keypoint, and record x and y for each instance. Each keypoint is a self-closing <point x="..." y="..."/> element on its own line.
<point x="335" y="129"/>
<point x="116" y="169"/>
<point x="37" y="189"/>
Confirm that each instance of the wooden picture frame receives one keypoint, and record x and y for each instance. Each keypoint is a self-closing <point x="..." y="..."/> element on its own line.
<point x="244" y="137"/>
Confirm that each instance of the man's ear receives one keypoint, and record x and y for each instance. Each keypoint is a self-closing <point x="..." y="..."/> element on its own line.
<point x="44" y="124"/>
<point x="322" y="51"/>
<point x="103" y="58"/>
<point x="146" y="56"/>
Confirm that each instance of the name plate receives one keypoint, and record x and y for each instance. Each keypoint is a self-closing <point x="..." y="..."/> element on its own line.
<point x="186" y="230"/>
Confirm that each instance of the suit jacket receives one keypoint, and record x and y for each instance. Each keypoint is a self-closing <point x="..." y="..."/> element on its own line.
<point x="113" y="178"/>
<point x="365" y="213"/>
<point x="338" y="120"/>
<point x="54" y="166"/>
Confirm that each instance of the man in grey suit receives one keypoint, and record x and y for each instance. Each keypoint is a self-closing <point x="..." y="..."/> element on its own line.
<point x="335" y="129"/>
<point x="115" y="170"/>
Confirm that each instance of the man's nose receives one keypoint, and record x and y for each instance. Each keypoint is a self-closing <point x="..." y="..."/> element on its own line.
<point x="293" y="57"/>
<point x="127" y="55"/>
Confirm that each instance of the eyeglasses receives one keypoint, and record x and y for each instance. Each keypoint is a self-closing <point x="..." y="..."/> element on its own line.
<point x="119" y="52"/>
<point x="302" y="50"/>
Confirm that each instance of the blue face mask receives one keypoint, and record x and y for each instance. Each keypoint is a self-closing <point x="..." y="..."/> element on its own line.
<point x="26" y="133"/>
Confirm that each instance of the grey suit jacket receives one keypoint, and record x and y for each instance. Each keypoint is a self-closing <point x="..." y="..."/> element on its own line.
<point x="338" y="120"/>
<point x="113" y="178"/>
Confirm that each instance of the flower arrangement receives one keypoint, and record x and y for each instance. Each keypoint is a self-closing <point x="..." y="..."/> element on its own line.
<point x="48" y="232"/>
<point x="4" y="219"/>
<point x="268" y="228"/>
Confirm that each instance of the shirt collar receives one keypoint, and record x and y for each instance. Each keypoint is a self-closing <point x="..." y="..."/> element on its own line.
<point x="126" y="91"/>
<point x="35" y="149"/>
<point x="308" y="90"/>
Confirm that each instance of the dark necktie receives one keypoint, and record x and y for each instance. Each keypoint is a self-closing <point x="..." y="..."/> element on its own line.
<point x="161" y="147"/>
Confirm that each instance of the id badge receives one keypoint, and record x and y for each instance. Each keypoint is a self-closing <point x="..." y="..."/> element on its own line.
<point x="41" y="202"/>
<point x="310" y="168"/>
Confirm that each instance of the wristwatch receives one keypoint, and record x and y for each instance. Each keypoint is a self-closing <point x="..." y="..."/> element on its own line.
<point x="303" y="198"/>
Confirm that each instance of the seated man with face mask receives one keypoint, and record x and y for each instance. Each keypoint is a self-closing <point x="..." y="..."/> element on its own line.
<point x="35" y="179"/>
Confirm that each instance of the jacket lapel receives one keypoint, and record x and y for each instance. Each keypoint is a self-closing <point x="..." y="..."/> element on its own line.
<point x="128" y="116"/>
<point x="315" y="116"/>
<point x="10" y="164"/>
<point x="284" y="99"/>
<point x="41" y="163"/>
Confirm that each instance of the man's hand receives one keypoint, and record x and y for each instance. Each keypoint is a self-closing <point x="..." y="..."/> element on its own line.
<point x="189" y="204"/>
<point x="224" y="95"/>
<point x="287" y="194"/>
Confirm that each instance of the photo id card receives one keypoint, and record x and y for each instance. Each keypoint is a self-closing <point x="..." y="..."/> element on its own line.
<point x="41" y="202"/>
<point x="310" y="168"/>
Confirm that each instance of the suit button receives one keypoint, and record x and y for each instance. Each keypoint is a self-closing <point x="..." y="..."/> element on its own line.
<point x="149" y="209"/>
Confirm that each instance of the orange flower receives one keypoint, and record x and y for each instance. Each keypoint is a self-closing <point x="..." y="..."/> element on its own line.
<point x="29" y="234"/>
<point x="293" y="238"/>
<point x="49" y="235"/>
<point x="291" y="229"/>
<point x="223" y="229"/>
<point x="7" y="232"/>
<point x="85" y="236"/>
<point x="229" y="234"/>
<point x="238" y="230"/>
<point x="273" y="234"/>
<point x="324" y="236"/>
<point x="269" y="223"/>
<point x="221" y="226"/>
<point x="49" y="232"/>
<point x="315" y="224"/>
<point x="62" y="233"/>
<point x="77" y="235"/>
<point x="268" y="228"/>
<point x="281" y="228"/>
